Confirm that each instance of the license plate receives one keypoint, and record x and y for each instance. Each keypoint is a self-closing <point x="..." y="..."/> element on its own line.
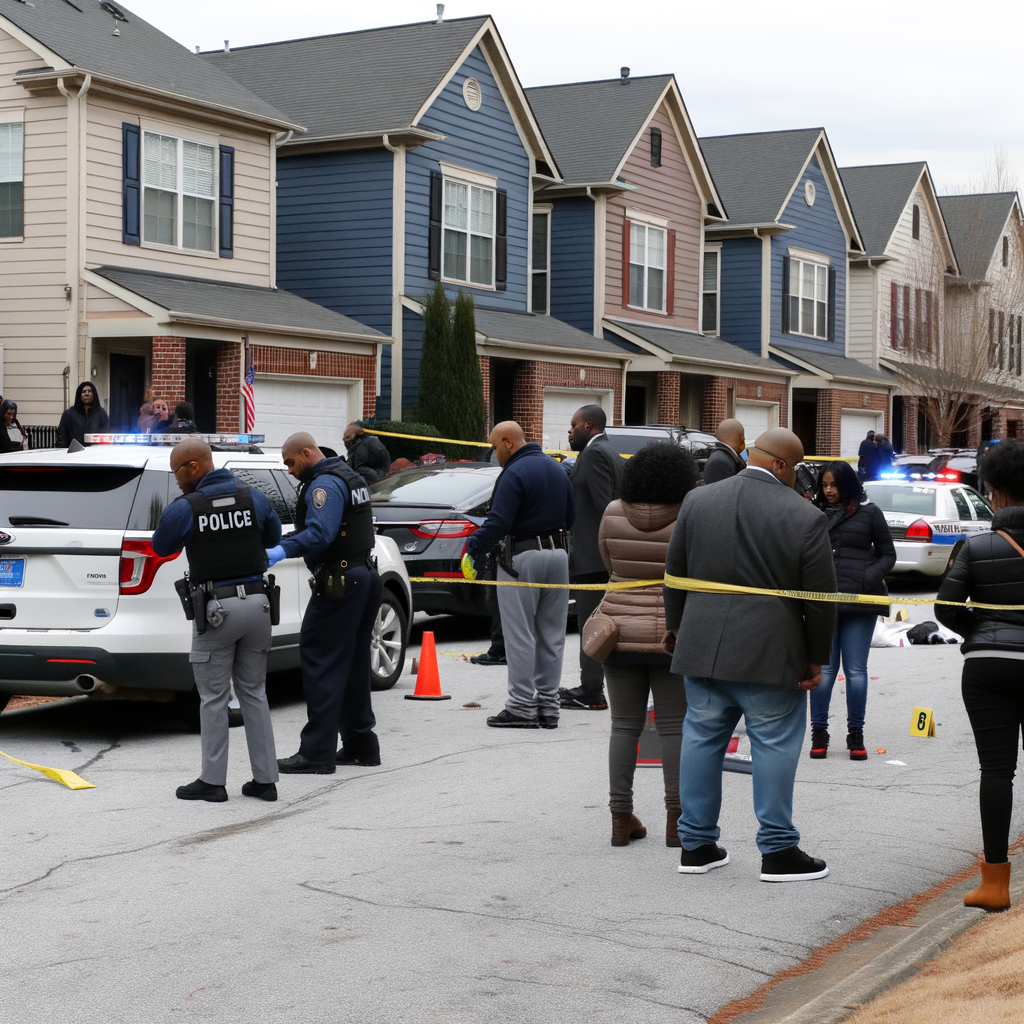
<point x="12" y="572"/>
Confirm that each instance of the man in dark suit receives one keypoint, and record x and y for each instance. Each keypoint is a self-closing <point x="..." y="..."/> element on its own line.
<point x="750" y="655"/>
<point x="725" y="460"/>
<point x="595" y="484"/>
<point x="865" y="455"/>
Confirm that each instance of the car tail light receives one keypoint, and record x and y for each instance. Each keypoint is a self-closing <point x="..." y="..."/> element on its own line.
<point x="139" y="563"/>
<point x="948" y="475"/>
<point x="919" y="530"/>
<point x="430" y="529"/>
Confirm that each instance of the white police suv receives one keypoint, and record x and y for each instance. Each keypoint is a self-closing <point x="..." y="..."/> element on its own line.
<point x="929" y="520"/>
<point x="87" y="605"/>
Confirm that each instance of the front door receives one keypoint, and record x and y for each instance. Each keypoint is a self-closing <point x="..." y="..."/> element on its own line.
<point x="201" y="382"/>
<point x="127" y="389"/>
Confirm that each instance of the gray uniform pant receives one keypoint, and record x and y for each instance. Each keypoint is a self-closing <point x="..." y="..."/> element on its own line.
<point x="236" y="649"/>
<point x="534" y="626"/>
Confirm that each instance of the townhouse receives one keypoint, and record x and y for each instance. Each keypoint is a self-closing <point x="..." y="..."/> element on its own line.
<point x="137" y="226"/>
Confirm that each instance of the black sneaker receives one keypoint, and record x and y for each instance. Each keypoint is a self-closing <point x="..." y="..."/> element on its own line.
<point x="819" y="743"/>
<point x="855" y="744"/>
<point x="490" y="657"/>
<point x="547" y="720"/>
<point x="504" y="719"/>
<point x="585" y="699"/>
<point x="200" y="790"/>
<point x="299" y="765"/>
<point x="366" y="755"/>
<point x="261" y="790"/>
<point x="702" y="860"/>
<point x="792" y="865"/>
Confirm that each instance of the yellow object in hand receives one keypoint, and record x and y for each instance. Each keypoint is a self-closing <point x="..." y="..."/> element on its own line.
<point x="468" y="567"/>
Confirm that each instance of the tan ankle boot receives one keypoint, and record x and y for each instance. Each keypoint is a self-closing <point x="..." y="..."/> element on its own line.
<point x="626" y="826"/>
<point x="994" y="891"/>
<point x="672" y="827"/>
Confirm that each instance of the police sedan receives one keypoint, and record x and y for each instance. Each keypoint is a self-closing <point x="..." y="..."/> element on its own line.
<point x="929" y="520"/>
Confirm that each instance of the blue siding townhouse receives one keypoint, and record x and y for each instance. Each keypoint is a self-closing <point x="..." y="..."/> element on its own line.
<point x="418" y="164"/>
<point x="780" y="268"/>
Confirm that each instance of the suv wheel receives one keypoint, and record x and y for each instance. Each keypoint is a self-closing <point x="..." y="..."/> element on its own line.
<point x="387" y="644"/>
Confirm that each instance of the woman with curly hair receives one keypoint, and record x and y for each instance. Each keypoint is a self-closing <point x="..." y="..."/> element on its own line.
<point x="990" y="570"/>
<point x="629" y="626"/>
<point x="863" y="552"/>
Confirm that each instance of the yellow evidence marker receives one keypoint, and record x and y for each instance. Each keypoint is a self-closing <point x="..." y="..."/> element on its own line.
<point x="62" y="775"/>
<point x="923" y="722"/>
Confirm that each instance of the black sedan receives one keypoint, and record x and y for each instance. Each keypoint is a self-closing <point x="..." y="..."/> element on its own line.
<point x="429" y="512"/>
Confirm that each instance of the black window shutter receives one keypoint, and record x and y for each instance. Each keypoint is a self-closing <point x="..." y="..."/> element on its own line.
<point x="131" y="184"/>
<point x="227" y="202"/>
<point x="785" y="295"/>
<point x="831" y="304"/>
<point x="501" y="241"/>
<point x="655" y="147"/>
<point x="434" y="239"/>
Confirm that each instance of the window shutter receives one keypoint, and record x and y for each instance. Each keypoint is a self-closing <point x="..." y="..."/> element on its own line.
<point x="894" y="314"/>
<point x="670" y="273"/>
<point x="131" y="184"/>
<point x="501" y="240"/>
<point x="625" y="263"/>
<point x="434" y="236"/>
<point x="227" y="202"/>
<point x="831" y="303"/>
<point x="655" y="147"/>
<point x="785" y="295"/>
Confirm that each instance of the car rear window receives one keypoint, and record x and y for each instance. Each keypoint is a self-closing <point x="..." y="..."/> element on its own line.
<point x="82" y="497"/>
<point x="275" y="484"/>
<point x="913" y="500"/>
<point x="447" y="487"/>
<point x="630" y="444"/>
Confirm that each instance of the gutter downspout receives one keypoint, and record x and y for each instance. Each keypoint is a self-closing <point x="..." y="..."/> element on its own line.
<point x="600" y="256"/>
<point x="397" y="276"/>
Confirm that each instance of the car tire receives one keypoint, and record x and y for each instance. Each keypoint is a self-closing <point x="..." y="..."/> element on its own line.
<point x="387" y="646"/>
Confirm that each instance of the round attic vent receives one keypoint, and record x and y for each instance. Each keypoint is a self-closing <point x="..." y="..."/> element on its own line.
<point x="809" y="193"/>
<point x="472" y="94"/>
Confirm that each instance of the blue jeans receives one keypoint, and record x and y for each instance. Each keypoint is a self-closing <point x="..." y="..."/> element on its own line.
<point x="776" y="720"/>
<point x="852" y="641"/>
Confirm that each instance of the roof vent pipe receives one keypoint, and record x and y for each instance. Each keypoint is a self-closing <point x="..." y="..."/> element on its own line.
<point x="197" y="49"/>
<point x="440" y="13"/>
<point x="624" y="73"/>
<point x="227" y="46"/>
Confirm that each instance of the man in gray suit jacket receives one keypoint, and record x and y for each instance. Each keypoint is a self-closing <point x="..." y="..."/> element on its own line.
<point x="595" y="485"/>
<point x="755" y="656"/>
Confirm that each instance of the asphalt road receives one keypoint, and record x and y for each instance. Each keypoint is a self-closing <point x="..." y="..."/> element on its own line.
<point x="469" y="878"/>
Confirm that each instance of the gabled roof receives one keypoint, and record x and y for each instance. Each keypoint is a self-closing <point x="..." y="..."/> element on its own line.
<point x="80" y="34"/>
<point x="833" y="367"/>
<point x="198" y="300"/>
<point x="757" y="173"/>
<point x="975" y="224"/>
<point x="380" y="81"/>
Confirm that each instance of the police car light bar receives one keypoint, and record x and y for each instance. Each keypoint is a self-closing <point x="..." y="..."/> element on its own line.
<point x="166" y="440"/>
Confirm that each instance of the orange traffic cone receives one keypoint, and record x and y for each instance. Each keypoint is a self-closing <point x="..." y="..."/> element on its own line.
<point x="428" y="680"/>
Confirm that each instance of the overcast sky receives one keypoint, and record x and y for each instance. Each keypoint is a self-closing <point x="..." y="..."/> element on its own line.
<point x="890" y="80"/>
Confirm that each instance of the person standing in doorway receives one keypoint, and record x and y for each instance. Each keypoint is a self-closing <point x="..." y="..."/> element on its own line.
<point x="86" y="416"/>
<point x="596" y="478"/>
<point x="724" y="461"/>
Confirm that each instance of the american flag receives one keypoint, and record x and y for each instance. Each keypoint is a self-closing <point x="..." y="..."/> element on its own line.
<point x="248" y="394"/>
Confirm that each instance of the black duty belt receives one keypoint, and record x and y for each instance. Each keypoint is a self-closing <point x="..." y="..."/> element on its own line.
<point x="252" y="587"/>
<point x="547" y="541"/>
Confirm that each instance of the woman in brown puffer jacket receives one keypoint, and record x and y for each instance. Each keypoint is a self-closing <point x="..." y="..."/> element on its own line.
<point x="634" y="537"/>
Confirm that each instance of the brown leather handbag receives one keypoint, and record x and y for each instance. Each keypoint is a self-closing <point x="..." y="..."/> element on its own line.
<point x="600" y="636"/>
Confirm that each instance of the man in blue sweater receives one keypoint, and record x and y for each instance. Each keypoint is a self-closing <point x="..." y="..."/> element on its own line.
<point x="533" y="506"/>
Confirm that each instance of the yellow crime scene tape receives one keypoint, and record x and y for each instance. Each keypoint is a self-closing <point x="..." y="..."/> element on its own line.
<point x="62" y="775"/>
<point x="451" y="440"/>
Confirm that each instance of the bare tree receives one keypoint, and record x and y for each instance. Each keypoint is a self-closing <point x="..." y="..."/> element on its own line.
<point x="999" y="174"/>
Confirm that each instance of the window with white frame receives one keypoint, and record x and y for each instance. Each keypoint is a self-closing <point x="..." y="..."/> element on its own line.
<point x="647" y="247"/>
<point x="179" y="182"/>
<point x="709" y="291"/>
<point x="541" y="284"/>
<point x="468" y="244"/>
<point x="12" y="185"/>
<point x="808" y="298"/>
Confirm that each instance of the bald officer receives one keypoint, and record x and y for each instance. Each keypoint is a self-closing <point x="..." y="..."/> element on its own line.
<point x="225" y="527"/>
<point x="334" y="534"/>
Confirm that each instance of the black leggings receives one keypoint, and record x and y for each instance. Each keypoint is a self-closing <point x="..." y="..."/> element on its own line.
<point x="993" y="691"/>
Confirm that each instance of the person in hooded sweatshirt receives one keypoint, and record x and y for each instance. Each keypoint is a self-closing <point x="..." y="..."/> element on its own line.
<point x="86" y="416"/>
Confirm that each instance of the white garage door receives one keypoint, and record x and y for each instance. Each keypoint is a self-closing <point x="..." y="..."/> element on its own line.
<point x="756" y="419"/>
<point x="284" y="407"/>
<point x="853" y="428"/>
<point x="559" y="405"/>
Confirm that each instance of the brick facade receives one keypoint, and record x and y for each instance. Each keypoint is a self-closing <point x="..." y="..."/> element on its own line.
<point x="716" y="404"/>
<point x="668" y="398"/>
<point x="229" y="381"/>
<point x="533" y="377"/>
<point x="831" y="402"/>
<point x="276" y="359"/>
<point x="168" y="369"/>
<point x="485" y="376"/>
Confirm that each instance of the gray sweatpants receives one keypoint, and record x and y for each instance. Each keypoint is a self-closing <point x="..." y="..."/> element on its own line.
<point x="236" y="649"/>
<point x="534" y="625"/>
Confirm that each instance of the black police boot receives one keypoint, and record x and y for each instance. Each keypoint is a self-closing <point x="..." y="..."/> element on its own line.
<point x="262" y="790"/>
<point x="495" y="656"/>
<point x="362" y="750"/>
<point x="200" y="790"/>
<point x="299" y="765"/>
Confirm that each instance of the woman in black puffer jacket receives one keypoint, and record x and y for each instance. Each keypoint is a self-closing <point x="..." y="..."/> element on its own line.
<point x="990" y="570"/>
<point x="863" y="552"/>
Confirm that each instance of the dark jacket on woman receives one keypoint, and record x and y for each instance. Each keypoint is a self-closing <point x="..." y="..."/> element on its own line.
<point x="80" y="420"/>
<point x="369" y="458"/>
<point x="863" y="552"/>
<point x="988" y="571"/>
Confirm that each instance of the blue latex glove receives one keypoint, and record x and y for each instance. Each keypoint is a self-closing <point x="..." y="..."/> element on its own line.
<point x="274" y="555"/>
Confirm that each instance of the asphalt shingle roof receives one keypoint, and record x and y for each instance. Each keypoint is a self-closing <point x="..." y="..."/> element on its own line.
<point x="83" y="34"/>
<point x="754" y="173"/>
<point x="353" y="82"/>
<point x="879" y="195"/>
<point x="841" y="367"/>
<point x="534" y="329"/>
<point x="975" y="224"/>
<point x="270" y="308"/>
<point x="590" y="125"/>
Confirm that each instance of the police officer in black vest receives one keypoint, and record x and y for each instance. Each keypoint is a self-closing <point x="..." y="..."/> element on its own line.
<point x="334" y="533"/>
<point x="225" y="528"/>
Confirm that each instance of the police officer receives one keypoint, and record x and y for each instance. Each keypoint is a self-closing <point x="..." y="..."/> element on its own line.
<point x="225" y="528"/>
<point x="334" y="533"/>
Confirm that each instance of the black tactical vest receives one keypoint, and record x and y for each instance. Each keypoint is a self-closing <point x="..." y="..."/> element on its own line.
<point x="226" y="541"/>
<point x="356" y="535"/>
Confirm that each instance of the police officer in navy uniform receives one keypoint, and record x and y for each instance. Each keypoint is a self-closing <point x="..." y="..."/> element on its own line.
<point x="225" y="528"/>
<point x="334" y="533"/>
